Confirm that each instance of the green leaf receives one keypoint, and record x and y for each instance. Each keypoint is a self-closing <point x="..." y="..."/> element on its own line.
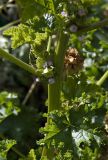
<point x="35" y="8"/>
<point x="78" y="128"/>
<point x="30" y="8"/>
<point x="5" y="146"/>
<point x="7" y="105"/>
<point x="90" y="2"/>
<point x="24" y="34"/>
<point x="41" y="2"/>
<point x="39" y="45"/>
<point x="20" y="35"/>
<point x="31" y="156"/>
<point x="50" y="6"/>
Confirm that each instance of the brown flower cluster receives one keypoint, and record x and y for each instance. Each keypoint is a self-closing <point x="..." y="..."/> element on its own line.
<point x="73" y="62"/>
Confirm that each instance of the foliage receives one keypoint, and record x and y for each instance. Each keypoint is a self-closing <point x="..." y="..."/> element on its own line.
<point x="78" y="127"/>
<point x="76" y="130"/>
<point x="7" y="106"/>
<point x="5" y="145"/>
<point x="31" y="156"/>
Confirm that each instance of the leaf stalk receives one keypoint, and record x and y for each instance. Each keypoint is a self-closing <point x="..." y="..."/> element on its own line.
<point x="17" y="61"/>
<point x="102" y="79"/>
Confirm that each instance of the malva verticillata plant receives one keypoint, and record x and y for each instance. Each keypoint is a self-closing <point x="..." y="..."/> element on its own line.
<point x="60" y="35"/>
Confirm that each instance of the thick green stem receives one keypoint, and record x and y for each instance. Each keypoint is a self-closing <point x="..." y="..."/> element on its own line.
<point x="17" y="61"/>
<point x="102" y="79"/>
<point x="54" y="96"/>
<point x="54" y="89"/>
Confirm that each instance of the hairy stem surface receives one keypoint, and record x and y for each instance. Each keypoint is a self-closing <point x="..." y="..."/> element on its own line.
<point x="54" y="89"/>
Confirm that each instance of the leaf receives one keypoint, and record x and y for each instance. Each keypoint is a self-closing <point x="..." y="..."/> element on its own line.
<point x="41" y="2"/>
<point x="38" y="47"/>
<point x="30" y="8"/>
<point x="5" y="146"/>
<point x="7" y="105"/>
<point x="37" y="23"/>
<point x="35" y="8"/>
<point x="77" y="128"/>
<point x="90" y="2"/>
<point x="24" y="34"/>
<point x="31" y="156"/>
<point x="50" y="6"/>
<point x="20" y="35"/>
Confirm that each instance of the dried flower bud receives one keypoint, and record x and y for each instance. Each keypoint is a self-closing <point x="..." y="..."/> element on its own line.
<point x="73" y="28"/>
<point x="73" y="62"/>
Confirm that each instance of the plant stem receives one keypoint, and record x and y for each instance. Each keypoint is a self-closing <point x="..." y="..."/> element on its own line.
<point x="18" y="152"/>
<point x="30" y="91"/>
<point x="54" y="89"/>
<point x="93" y="26"/>
<point x="17" y="61"/>
<point x="102" y="79"/>
<point x="10" y="25"/>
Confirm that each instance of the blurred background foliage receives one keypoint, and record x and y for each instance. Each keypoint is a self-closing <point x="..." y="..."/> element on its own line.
<point x="24" y="126"/>
<point x="20" y="120"/>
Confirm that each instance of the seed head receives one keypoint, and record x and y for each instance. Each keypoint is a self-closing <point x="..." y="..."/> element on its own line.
<point x="73" y="62"/>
